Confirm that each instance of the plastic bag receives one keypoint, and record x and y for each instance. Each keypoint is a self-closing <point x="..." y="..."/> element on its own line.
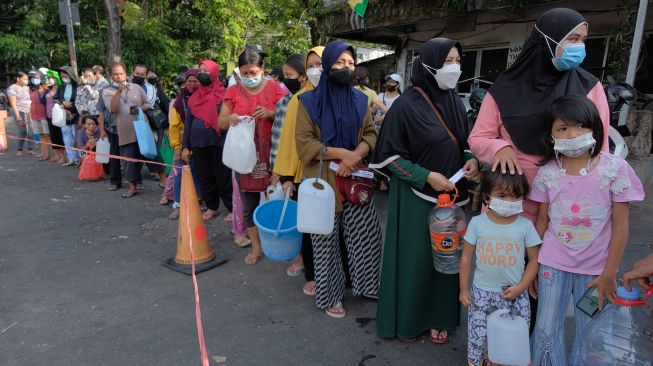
<point x="90" y="169"/>
<point x="146" y="143"/>
<point x="166" y="153"/>
<point x="239" y="148"/>
<point x="58" y="115"/>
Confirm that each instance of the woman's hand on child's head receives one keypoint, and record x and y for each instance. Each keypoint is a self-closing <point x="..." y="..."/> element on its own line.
<point x="465" y="297"/>
<point x="607" y="286"/>
<point x="513" y="292"/>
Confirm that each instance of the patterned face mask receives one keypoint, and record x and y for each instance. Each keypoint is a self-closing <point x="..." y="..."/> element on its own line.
<point x="506" y="208"/>
<point x="576" y="146"/>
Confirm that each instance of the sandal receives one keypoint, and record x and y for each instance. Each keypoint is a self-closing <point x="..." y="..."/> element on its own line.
<point x="253" y="258"/>
<point x="164" y="201"/>
<point x="129" y="194"/>
<point x="440" y="338"/>
<point x="20" y="153"/>
<point x="113" y="187"/>
<point x="309" y="288"/>
<point x="295" y="270"/>
<point x="337" y="311"/>
<point x="209" y="215"/>
<point x="174" y="215"/>
<point x="242" y="241"/>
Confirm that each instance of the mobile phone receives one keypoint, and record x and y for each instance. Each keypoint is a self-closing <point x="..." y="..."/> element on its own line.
<point x="589" y="303"/>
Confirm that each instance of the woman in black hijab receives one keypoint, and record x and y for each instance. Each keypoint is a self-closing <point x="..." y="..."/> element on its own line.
<point x="508" y="128"/>
<point x="421" y="144"/>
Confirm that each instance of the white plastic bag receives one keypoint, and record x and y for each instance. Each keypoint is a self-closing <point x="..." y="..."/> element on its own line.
<point x="239" y="149"/>
<point x="58" y="116"/>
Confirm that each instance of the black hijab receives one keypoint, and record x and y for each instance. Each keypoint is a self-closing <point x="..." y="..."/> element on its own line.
<point x="412" y="131"/>
<point x="525" y="91"/>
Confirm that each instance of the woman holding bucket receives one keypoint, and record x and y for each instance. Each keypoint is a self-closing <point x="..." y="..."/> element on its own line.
<point x="254" y="97"/>
<point x="421" y="145"/>
<point x="334" y="125"/>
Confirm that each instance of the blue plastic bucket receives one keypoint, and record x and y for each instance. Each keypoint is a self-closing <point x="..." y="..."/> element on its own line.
<point x="285" y="245"/>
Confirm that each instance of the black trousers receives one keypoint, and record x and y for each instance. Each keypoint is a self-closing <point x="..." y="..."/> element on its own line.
<point x="214" y="176"/>
<point x="133" y="170"/>
<point x="115" y="175"/>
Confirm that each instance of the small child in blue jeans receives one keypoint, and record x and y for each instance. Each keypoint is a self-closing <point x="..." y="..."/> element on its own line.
<point x="499" y="238"/>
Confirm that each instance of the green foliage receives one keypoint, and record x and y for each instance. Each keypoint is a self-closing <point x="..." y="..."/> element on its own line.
<point x="162" y="34"/>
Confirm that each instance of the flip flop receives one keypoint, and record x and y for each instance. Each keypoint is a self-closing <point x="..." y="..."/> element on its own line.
<point x="439" y="339"/>
<point x="338" y="315"/>
<point x="308" y="292"/>
<point x="129" y="194"/>
<point x="113" y="187"/>
<point x="294" y="270"/>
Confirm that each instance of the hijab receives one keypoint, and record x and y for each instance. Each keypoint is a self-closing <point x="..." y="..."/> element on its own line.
<point x="337" y="110"/>
<point x="69" y="91"/>
<point x="525" y="91"/>
<point x="411" y="130"/>
<point x="204" y="102"/>
<point x="287" y="163"/>
<point x="182" y="100"/>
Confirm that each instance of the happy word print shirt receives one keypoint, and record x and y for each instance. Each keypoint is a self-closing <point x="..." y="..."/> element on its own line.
<point x="580" y="212"/>
<point x="500" y="250"/>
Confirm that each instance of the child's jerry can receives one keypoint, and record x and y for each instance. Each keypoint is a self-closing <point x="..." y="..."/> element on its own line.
<point x="507" y="338"/>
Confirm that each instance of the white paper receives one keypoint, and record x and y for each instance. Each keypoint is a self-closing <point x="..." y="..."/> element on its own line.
<point x="458" y="176"/>
<point x="357" y="173"/>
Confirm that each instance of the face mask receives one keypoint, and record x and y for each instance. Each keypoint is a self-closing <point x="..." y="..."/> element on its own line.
<point x="505" y="208"/>
<point x="53" y="81"/>
<point x="573" y="54"/>
<point x="152" y="81"/>
<point x="446" y="77"/>
<point x="341" y="77"/>
<point x="65" y="80"/>
<point x="574" y="147"/>
<point x="252" y="82"/>
<point x="114" y="84"/>
<point x="36" y="81"/>
<point x="191" y="88"/>
<point x="90" y="81"/>
<point x="204" y="78"/>
<point x="390" y="88"/>
<point x="138" y="80"/>
<point x="292" y="84"/>
<point x="314" y="74"/>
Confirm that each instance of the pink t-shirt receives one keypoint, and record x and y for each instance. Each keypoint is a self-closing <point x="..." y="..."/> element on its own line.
<point x="489" y="136"/>
<point x="580" y="212"/>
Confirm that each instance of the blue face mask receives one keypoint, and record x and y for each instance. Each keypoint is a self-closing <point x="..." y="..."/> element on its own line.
<point x="251" y="82"/>
<point x="572" y="56"/>
<point x="36" y="81"/>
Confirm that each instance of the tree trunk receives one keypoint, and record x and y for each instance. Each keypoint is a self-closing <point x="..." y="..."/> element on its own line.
<point x="113" y="9"/>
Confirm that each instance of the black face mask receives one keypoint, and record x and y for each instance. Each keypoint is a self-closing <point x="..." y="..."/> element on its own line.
<point x="204" y="78"/>
<point x="390" y="88"/>
<point x="152" y="81"/>
<point x="341" y="77"/>
<point x="292" y="84"/>
<point x="138" y="80"/>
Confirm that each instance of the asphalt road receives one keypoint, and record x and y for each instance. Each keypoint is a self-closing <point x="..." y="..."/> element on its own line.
<point x="81" y="283"/>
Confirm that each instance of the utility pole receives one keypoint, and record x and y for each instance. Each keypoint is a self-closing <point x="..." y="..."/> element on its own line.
<point x="71" y="38"/>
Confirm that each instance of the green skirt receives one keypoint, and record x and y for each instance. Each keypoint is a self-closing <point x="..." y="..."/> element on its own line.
<point x="413" y="297"/>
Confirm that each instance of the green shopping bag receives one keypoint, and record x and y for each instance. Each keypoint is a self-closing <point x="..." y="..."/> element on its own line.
<point x="166" y="153"/>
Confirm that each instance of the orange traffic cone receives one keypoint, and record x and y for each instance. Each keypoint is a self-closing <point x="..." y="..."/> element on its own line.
<point x="191" y="224"/>
<point x="3" y="134"/>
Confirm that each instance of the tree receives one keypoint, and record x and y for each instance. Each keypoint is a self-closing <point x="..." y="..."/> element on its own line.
<point x="113" y="9"/>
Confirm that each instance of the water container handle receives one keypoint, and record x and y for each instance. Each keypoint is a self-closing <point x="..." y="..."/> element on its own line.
<point x="320" y="164"/>
<point x="638" y="302"/>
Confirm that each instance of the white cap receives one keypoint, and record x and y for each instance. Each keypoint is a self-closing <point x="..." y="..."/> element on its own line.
<point x="396" y="78"/>
<point x="43" y="71"/>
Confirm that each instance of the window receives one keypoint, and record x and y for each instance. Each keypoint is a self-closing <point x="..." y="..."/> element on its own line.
<point x="481" y="67"/>
<point x="596" y="52"/>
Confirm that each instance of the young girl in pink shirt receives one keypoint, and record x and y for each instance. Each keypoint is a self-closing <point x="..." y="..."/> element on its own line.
<point x="583" y="195"/>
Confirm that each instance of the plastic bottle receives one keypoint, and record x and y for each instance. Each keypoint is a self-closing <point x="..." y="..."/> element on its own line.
<point x="316" y="207"/>
<point x="447" y="224"/>
<point x="621" y="334"/>
<point x="104" y="147"/>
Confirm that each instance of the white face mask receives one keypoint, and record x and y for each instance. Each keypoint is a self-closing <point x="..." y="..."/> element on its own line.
<point x="506" y="208"/>
<point x="314" y="74"/>
<point x="574" y="147"/>
<point x="446" y="77"/>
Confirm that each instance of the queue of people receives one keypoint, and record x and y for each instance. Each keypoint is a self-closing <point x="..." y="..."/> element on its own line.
<point x="555" y="216"/>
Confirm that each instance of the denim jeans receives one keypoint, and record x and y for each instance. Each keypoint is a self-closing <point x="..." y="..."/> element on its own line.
<point x="548" y="340"/>
<point x="177" y="174"/>
<point x="23" y="132"/>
